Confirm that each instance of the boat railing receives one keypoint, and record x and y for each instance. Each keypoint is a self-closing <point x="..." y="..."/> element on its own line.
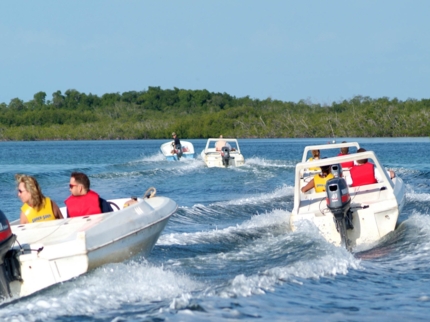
<point x="328" y="147"/>
<point x="302" y="174"/>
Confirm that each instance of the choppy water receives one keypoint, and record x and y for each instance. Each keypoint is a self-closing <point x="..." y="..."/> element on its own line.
<point x="228" y="253"/>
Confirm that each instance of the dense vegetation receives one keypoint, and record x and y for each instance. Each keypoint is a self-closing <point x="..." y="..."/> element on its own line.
<point x="155" y="113"/>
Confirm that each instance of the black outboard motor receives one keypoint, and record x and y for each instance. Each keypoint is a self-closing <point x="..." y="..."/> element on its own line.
<point x="178" y="148"/>
<point x="225" y="155"/>
<point x="6" y="241"/>
<point x="336" y="170"/>
<point x="339" y="203"/>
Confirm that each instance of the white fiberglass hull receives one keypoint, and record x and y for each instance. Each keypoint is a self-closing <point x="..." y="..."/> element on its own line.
<point x="187" y="151"/>
<point x="59" y="250"/>
<point x="214" y="160"/>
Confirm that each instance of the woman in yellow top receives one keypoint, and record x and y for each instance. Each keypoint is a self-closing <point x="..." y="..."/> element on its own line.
<point x="319" y="180"/>
<point x="315" y="156"/>
<point x="36" y="206"/>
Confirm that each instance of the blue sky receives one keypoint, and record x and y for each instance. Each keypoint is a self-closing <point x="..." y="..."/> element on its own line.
<point x="322" y="51"/>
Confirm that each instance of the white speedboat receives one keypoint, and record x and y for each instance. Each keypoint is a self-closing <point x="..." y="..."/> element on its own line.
<point x="222" y="153"/>
<point x="172" y="154"/>
<point x="347" y="216"/>
<point x="38" y="255"/>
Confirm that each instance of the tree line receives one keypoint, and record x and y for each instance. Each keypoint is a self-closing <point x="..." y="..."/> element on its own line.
<point x="154" y="113"/>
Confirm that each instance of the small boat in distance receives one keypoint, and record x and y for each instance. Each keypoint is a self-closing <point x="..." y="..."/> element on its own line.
<point x="222" y="153"/>
<point x="347" y="216"/>
<point x="171" y="154"/>
<point x="49" y="252"/>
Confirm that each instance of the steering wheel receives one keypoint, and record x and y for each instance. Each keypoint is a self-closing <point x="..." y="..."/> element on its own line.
<point x="113" y="204"/>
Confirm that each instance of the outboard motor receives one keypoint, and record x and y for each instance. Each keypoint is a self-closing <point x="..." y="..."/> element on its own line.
<point x="339" y="202"/>
<point x="336" y="170"/>
<point x="6" y="241"/>
<point x="178" y="148"/>
<point x="225" y="155"/>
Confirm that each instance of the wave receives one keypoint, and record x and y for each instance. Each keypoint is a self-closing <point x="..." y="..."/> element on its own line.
<point x="106" y="288"/>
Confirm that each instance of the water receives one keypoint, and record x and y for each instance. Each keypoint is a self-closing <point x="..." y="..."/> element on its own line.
<point x="228" y="253"/>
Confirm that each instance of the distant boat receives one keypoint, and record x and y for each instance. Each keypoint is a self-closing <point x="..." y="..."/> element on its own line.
<point x="171" y="154"/>
<point x="222" y="153"/>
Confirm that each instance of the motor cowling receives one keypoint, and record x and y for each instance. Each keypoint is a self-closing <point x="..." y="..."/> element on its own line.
<point x="336" y="170"/>
<point x="225" y="155"/>
<point x="7" y="239"/>
<point x="338" y="197"/>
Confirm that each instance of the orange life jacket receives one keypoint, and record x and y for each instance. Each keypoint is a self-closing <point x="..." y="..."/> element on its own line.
<point x="363" y="174"/>
<point x="348" y="164"/>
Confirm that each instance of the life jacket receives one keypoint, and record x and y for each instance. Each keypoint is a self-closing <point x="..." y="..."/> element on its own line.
<point x="319" y="182"/>
<point x="314" y="168"/>
<point x="348" y="164"/>
<point x="363" y="174"/>
<point x="44" y="214"/>
<point x="88" y="204"/>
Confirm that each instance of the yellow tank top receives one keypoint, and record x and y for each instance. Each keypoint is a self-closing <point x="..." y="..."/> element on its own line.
<point x="44" y="214"/>
<point x="320" y="182"/>
<point x="314" y="168"/>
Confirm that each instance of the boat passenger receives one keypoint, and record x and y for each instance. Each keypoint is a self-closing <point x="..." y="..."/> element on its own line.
<point x="345" y="151"/>
<point x="176" y="144"/>
<point x="221" y="143"/>
<point x="84" y="201"/>
<point x="36" y="206"/>
<point x="319" y="180"/>
<point x="363" y="173"/>
<point x="315" y="156"/>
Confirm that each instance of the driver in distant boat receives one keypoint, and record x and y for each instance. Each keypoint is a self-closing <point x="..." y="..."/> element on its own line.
<point x="177" y="147"/>
<point x="222" y="143"/>
<point x="84" y="201"/>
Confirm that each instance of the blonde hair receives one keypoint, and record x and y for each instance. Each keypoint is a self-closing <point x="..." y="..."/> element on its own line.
<point x="31" y="185"/>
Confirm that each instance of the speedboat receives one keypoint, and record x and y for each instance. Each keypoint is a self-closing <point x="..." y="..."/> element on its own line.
<point x="37" y="255"/>
<point x="347" y="216"/>
<point x="222" y="153"/>
<point x="172" y="154"/>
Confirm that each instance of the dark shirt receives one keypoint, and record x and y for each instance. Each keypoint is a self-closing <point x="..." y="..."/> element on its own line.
<point x="105" y="206"/>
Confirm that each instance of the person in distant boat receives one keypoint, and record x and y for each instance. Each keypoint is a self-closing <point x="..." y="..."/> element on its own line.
<point x="84" y="201"/>
<point x="176" y="144"/>
<point x="36" y="207"/>
<point x="363" y="173"/>
<point x="345" y="151"/>
<point x="315" y="156"/>
<point x="221" y="143"/>
<point x="319" y="180"/>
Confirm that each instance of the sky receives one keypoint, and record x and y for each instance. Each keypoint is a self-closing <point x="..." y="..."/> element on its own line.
<point x="312" y="50"/>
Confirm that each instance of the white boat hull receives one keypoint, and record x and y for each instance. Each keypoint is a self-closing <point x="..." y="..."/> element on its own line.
<point x="187" y="151"/>
<point x="59" y="250"/>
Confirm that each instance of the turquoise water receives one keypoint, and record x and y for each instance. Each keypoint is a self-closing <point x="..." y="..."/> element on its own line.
<point x="228" y="253"/>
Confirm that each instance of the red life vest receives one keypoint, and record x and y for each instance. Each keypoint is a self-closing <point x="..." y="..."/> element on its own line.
<point x="363" y="174"/>
<point x="88" y="204"/>
<point x="348" y="164"/>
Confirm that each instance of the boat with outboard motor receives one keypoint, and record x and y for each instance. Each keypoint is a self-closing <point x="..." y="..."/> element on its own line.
<point x="222" y="153"/>
<point x="347" y="216"/>
<point x="173" y="154"/>
<point x="38" y="255"/>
